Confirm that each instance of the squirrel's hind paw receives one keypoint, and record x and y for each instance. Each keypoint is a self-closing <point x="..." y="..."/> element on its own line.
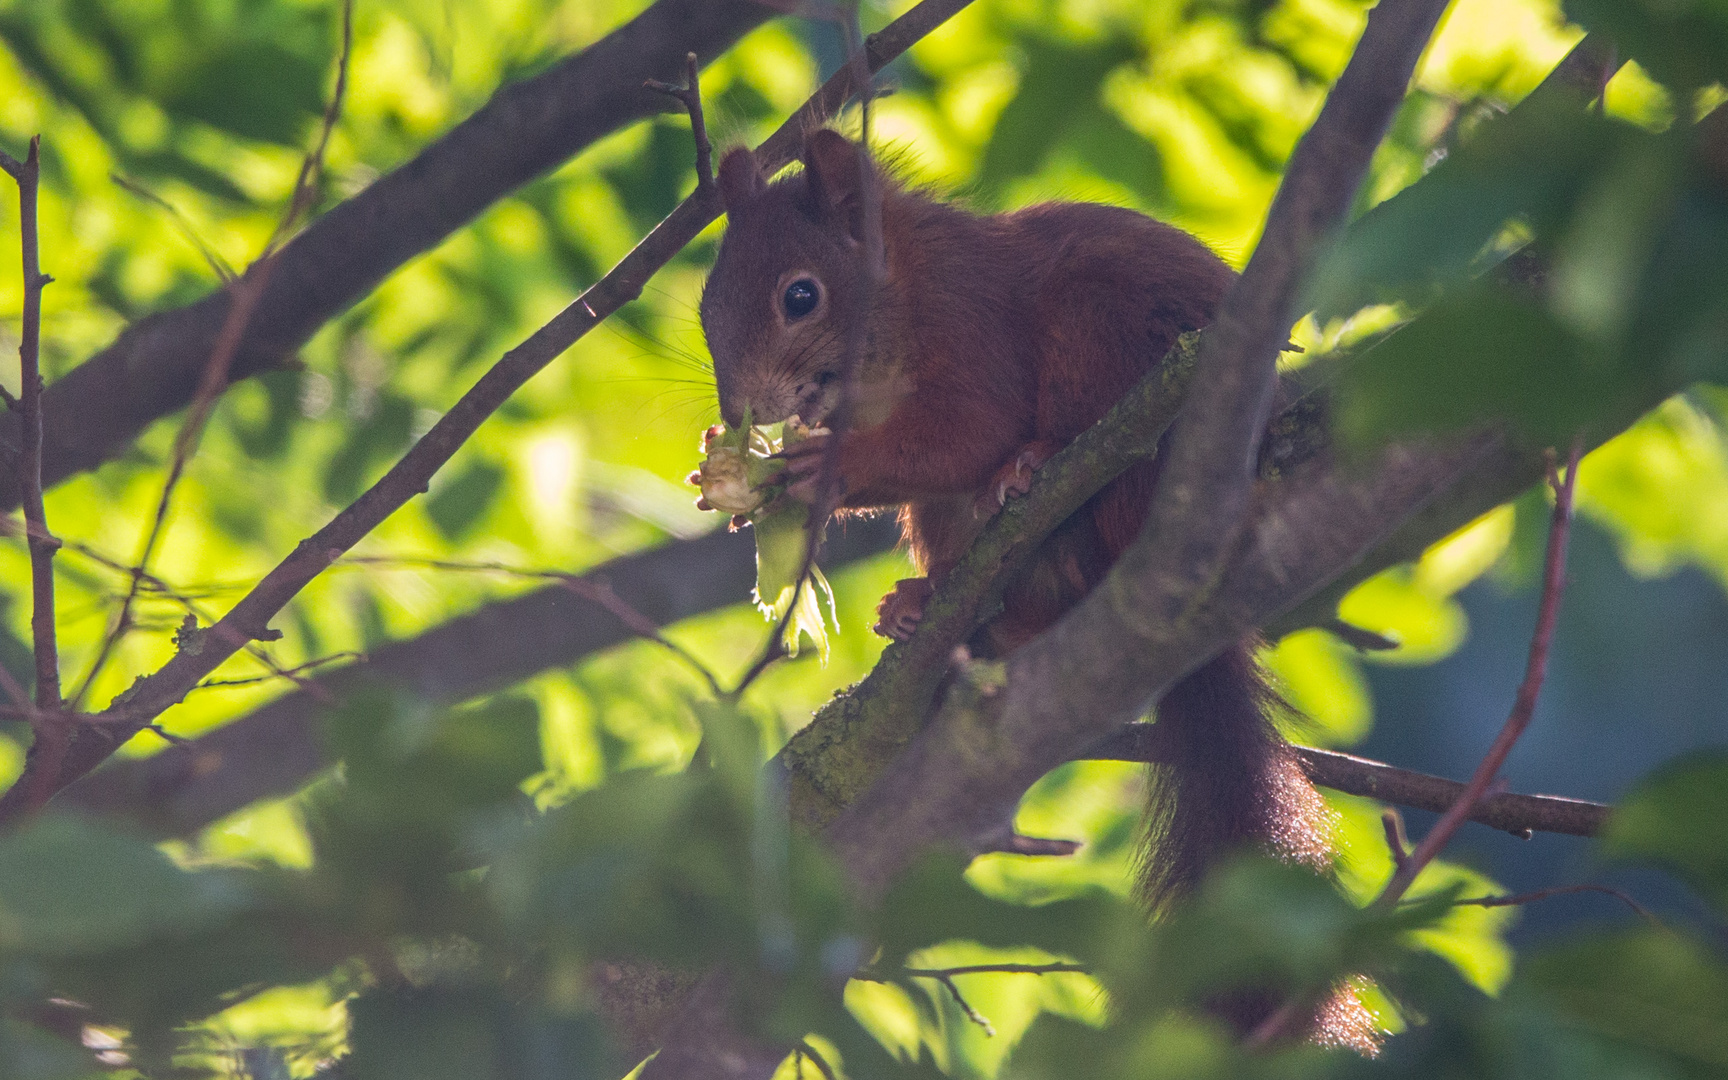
<point x="898" y="613"/>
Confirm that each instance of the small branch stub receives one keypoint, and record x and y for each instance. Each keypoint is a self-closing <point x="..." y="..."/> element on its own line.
<point x="691" y="95"/>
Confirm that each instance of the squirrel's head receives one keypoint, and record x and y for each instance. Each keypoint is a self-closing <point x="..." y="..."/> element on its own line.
<point x="789" y="282"/>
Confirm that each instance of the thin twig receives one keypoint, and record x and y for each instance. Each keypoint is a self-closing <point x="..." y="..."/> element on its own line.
<point x="284" y="673"/>
<point x="1013" y="843"/>
<point x="1396" y="840"/>
<point x="1524" y="706"/>
<point x="312" y="165"/>
<point x="212" y="258"/>
<point x="815" y="1055"/>
<point x="155" y="585"/>
<point x="945" y="976"/>
<point x="1560" y="890"/>
<point x="1359" y="638"/>
<point x="1406" y="870"/>
<point x="997" y="969"/>
<point x="49" y="729"/>
<point x="244" y="295"/>
<point x="28" y="174"/>
<point x="839" y="421"/>
<point x="965" y="1006"/>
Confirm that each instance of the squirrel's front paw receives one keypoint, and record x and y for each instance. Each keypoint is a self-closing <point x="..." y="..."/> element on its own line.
<point x="1014" y="478"/>
<point x="803" y="475"/>
<point x="898" y="613"/>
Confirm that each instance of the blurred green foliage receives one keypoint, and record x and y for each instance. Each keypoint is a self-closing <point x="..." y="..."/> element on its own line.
<point x="437" y="908"/>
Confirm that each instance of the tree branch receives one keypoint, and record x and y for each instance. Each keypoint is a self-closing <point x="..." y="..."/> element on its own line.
<point x="1204" y="490"/>
<point x="275" y="749"/>
<point x="28" y="174"/>
<point x="836" y="756"/>
<point x="1516" y="814"/>
<point x="97" y="410"/>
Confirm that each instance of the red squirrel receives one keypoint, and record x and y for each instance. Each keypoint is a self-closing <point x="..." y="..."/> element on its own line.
<point x="989" y="342"/>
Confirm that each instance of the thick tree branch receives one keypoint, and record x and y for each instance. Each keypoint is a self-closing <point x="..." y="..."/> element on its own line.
<point x="248" y="620"/>
<point x="1206" y="484"/>
<point x="274" y="750"/>
<point x="961" y="779"/>
<point x="1516" y="814"/>
<point x="835" y="757"/>
<point x="152" y="370"/>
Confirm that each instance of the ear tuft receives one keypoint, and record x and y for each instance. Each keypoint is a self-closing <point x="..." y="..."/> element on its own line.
<point x="831" y="162"/>
<point x="740" y="178"/>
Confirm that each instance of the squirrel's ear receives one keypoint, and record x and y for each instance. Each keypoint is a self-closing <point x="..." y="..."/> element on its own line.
<point x="740" y="178"/>
<point x="831" y="162"/>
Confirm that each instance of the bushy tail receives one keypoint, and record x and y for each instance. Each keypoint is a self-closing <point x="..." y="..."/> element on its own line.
<point x="1229" y="781"/>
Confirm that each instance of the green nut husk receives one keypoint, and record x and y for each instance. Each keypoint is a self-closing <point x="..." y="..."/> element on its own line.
<point x="739" y="476"/>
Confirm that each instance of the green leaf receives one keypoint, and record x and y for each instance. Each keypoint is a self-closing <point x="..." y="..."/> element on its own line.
<point x="425" y="1035"/>
<point x="29" y="1053"/>
<point x="1058" y="83"/>
<point x="68" y="887"/>
<point x="1678" y="818"/>
<point x="459" y="504"/>
<point x="1655" y="988"/>
<point x="1257" y="922"/>
<point x="378" y="439"/>
<point x="432" y="761"/>
<point x="443" y="1033"/>
<point x="933" y="903"/>
<point x="1481" y="356"/>
<point x="255" y="89"/>
<point x="1684" y="43"/>
<point x="1529" y="167"/>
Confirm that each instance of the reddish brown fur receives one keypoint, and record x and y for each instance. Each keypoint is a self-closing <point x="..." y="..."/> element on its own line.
<point x="989" y="334"/>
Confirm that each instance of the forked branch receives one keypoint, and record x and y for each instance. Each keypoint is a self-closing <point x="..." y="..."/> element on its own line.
<point x="691" y="95"/>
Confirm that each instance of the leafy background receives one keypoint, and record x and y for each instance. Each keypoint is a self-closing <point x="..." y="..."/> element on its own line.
<point x="271" y="932"/>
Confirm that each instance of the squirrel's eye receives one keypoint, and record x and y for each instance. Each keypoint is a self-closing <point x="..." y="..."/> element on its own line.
<point x="800" y="299"/>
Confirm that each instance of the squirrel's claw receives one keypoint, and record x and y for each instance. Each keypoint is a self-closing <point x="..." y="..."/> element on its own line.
<point x="1013" y="479"/>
